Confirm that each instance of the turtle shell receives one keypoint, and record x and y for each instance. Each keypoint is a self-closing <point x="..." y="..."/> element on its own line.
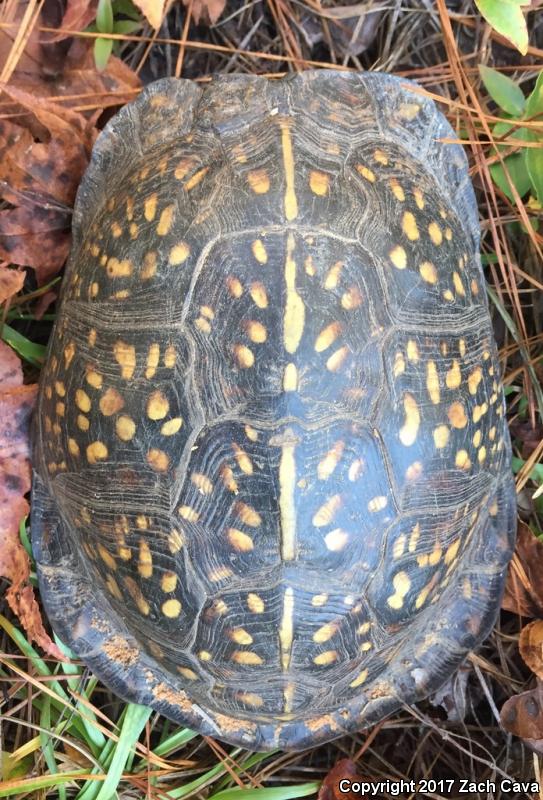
<point x="272" y="494"/>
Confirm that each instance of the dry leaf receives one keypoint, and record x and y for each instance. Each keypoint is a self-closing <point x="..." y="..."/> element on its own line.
<point x="345" y="769"/>
<point x="16" y="404"/>
<point x="78" y="14"/>
<point x="531" y="646"/>
<point x="11" y="282"/>
<point x="40" y="179"/>
<point x="524" y="586"/>
<point x="206" y="10"/>
<point x="153" y="11"/>
<point x="522" y="715"/>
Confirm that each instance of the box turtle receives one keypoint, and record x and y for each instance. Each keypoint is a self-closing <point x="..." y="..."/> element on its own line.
<point x="272" y="494"/>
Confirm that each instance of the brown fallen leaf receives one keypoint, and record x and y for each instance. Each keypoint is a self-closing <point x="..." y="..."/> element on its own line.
<point x="524" y="586"/>
<point x="206" y="10"/>
<point x="78" y="14"/>
<point x="40" y="179"/>
<point x="344" y="769"/>
<point x="153" y="11"/>
<point x="531" y="646"/>
<point x="522" y="715"/>
<point x="11" y="282"/>
<point x="16" y="404"/>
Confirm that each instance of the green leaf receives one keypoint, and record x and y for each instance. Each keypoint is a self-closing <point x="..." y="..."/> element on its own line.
<point x="516" y="167"/>
<point x="534" y="104"/>
<point x="506" y="17"/>
<point x="272" y="793"/>
<point x="127" y="8"/>
<point x="534" y="167"/>
<point x="504" y="91"/>
<point x="33" y="353"/>
<point x="104" y="16"/>
<point x="102" y="52"/>
<point x="127" y="26"/>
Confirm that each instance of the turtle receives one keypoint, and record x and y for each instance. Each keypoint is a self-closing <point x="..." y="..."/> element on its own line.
<point x="272" y="491"/>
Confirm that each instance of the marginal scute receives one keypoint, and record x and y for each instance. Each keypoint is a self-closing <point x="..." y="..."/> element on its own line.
<point x="272" y="493"/>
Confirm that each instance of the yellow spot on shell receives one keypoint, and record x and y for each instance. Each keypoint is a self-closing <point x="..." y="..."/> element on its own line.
<point x="326" y="658"/>
<point x="336" y="540"/>
<point x="327" y="336"/>
<point x="244" y="462"/>
<point x="82" y="401"/>
<point x="158" y="460"/>
<point x="398" y="256"/>
<point x="202" y="482"/>
<point x="327" y="511"/>
<point x="119" y="269"/>
<point x="410" y="428"/>
<point x="319" y="183"/>
<point x="330" y="461"/>
<point x="435" y="233"/>
<point x="319" y="600"/>
<point x="259" y="251"/>
<point x="111" y="402"/>
<point x="366" y="172"/>
<point x="477" y="436"/>
<point x="73" y="447"/>
<point x="419" y="198"/>
<point x="428" y="272"/>
<point x="360" y="679"/>
<point x="247" y="514"/>
<point x="256" y="331"/>
<point x="171" y="427"/>
<point x="171" y="608"/>
<point x="337" y="358"/>
<point x="291" y="203"/>
<point x="380" y="157"/>
<point x="239" y="540"/>
<point x="240" y="636"/>
<point x="457" y="415"/>
<point x="145" y="560"/>
<point x="204" y="655"/>
<point x="481" y="455"/>
<point x="125" y="355"/>
<point x="157" y="406"/>
<point x="250" y="699"/>
<point x="332" y="276"/>
<point x="246" y="658"/>
<point x="258" y="294"/>
<point x="399" y="364"/>
<point x="244" y="356"/>
<point x="377" y="504"/>
<point x="401" y="584"/>
<point x="97" y="451"/>
<point x="165" y="221"/>
<point x="255" y="603"/>
<point x="458" y="285"/>
<point x="412" y="351"/>
<point x="432" y="382"/>
<point x="94" y="379"/>
<point x="179" y="253"/>
<point x="125" y="428"/>
<point x="325" y="633"/>
<point x="351" y="299"/>
<point x="474" y="379"/>
<point x="441" y="436"/>
<point x="168" y="582"/>
<point x="259" y="181"/>
<point x="149" y="207"/>
<point x="294" y="316"/>
<point x="397" y="190"/>
<point x="189" y="514"/>
<point x="234" y="287"/>
<point x="409" y="226"/>
<point x="106" y="557"/>
<point x="149" y="266"/>
<point x="454" y="376"/>
<point x="290" y="378"/>
<point x="196" y="179"/>
<point x="175" y="542"/>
